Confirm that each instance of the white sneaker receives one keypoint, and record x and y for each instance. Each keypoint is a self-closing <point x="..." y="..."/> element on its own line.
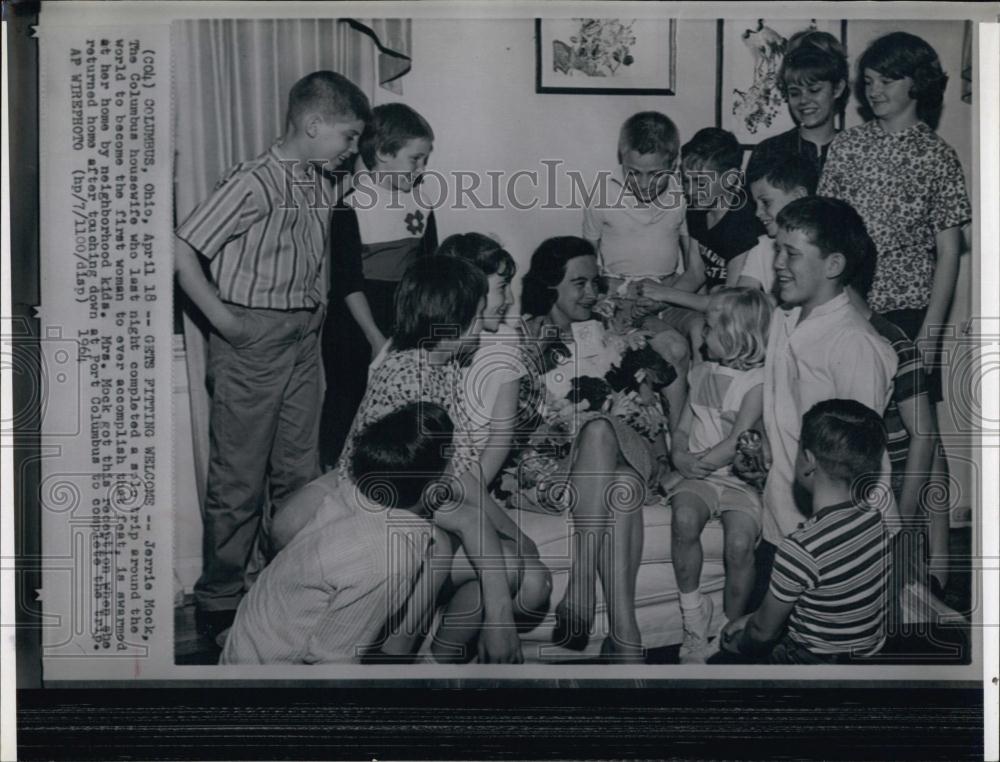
<point x="696" y="623"/>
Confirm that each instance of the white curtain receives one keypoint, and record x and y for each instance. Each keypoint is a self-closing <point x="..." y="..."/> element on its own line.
<point x="231" y="83"/>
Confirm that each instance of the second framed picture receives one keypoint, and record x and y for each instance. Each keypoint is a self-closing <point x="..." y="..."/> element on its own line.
<point x="749" y="102"/>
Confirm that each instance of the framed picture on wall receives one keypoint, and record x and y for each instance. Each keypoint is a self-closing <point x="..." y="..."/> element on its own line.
<point x="748" y="55"/>
<point x="606" y="56"/>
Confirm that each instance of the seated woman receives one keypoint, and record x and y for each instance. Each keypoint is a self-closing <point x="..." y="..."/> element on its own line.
<point x="439" y="311"/>
<point x="593" y="447"/>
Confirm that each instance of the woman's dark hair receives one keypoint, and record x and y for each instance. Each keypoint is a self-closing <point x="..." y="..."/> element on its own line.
<point x="547" y="270"/>
<point x="397" y="456"/>
<point x="437" y="298"/>
<point x="900" y="54"/>
<point x="814" y="56"/>
<point x="482" y="251"/>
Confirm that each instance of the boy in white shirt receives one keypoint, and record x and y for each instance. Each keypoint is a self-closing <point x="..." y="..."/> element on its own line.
<point x="819" y="346"/>
<point x="341" y="582"/>
<point x="773" y="186"/>
<point x="636" y="223"/>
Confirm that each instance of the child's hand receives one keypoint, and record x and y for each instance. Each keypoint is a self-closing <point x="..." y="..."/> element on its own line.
<point x="731" y="633"/>
<point x="669" y="480"/>
<point x="690" y="467"/>
<point x="234" y="330"/>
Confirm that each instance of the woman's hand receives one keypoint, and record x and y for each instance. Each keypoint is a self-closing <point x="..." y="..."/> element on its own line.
<point x="650" y="290"/>
<point x="690" y="466"/>
<point x="637" y="339"/>
<point x="563" y="414"/>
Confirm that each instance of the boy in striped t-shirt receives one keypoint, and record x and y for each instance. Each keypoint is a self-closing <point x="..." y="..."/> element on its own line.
<point x="263" y="232"/>
<point x="830" y="578"/>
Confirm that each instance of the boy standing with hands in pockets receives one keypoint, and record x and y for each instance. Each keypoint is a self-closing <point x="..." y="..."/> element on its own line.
<point x="264" y="230"/>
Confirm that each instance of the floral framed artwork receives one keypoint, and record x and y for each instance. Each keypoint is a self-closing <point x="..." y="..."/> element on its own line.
<point x="606" y="56"/>
<point x="748" y="102"/>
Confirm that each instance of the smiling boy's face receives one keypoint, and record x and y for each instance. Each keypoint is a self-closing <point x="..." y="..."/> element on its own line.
<point x="333" y="139"/>
<point x="403" y="169"/>
<point x="805" y="277"/>
<point x="770" y="200"/>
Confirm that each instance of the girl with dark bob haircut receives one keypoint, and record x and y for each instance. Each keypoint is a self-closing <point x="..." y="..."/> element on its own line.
<point x="899" y="55"/>
<point x="439" y="297"/>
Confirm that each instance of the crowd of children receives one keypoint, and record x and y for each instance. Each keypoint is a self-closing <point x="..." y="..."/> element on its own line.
<point x="784" y="312"/>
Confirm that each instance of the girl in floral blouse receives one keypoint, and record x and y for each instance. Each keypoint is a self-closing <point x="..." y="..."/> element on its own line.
<point x="905" y="182"/>
<point x="439" y="313"/>
<point x="909" y="188"/>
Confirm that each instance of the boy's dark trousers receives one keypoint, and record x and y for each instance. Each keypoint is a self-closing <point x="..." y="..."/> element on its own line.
<point x="263" y="430"/>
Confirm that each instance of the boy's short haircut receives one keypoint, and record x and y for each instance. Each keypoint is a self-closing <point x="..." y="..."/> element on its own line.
<point x="848" y="440"/>
<point x="744" y="323"/>
<point x="397" y="456"/>
<point x="649" y="132"/>
<point x="392" y="126"/>
<point x="484" y="252"/>
<point x="786" y="173"/>
<point x="331" y="94"/>
<point x="833" y="225"/>
<point x="438" y="298"/>
<point x="900" y="54"/>
<point x="712" y="148"/>
<point x="812" y="56"/>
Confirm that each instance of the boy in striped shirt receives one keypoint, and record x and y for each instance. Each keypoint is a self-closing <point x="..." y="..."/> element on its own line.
<point x="264" y="232"/>
<point x="830" y="578"/>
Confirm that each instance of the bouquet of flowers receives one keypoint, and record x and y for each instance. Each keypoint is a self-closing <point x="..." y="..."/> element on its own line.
<point x="601" y="373"/>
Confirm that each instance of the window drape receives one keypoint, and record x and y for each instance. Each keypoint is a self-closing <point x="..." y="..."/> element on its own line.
<point x="231" y="83"/>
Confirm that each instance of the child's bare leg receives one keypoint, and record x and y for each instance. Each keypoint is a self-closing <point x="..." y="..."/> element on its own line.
<point x="740" y="531"/>
<point x="673" y="348"/>
<point x="531" y="603"/>
<point x="938" y="525"/>
<point x="462" y="618"/>
<point x="689" y="516"/>
<point x="619" y="567"/>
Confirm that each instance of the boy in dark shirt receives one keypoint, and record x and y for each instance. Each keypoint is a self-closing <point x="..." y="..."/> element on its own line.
<point x="720" y="213"/>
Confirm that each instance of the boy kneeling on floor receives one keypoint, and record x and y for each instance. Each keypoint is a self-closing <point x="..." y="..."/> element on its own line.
<point x="328" y="595"/>
<point x="830" y="577"/>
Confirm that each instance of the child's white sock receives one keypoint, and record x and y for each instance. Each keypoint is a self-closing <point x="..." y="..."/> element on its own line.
<point x="690" y="600"/>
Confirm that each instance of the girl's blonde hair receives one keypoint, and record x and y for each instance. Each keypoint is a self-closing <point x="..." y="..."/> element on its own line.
<point x="744" y="321"/>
